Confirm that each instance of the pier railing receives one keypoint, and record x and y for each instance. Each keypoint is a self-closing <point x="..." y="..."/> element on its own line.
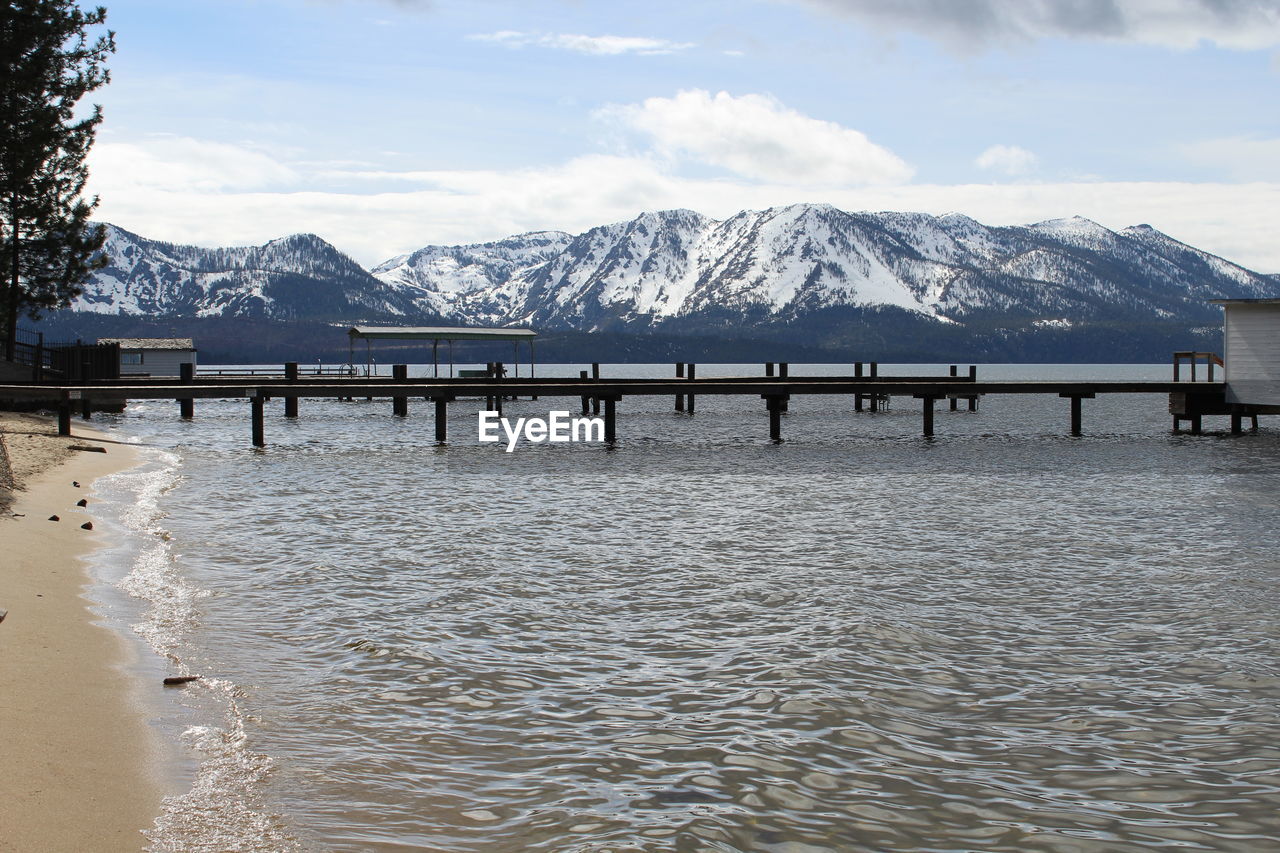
<point x="1194" y="358"/>
<point x="282" y="371"/>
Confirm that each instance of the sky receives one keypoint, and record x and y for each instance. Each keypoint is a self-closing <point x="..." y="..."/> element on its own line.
<point x="387" y="125"/>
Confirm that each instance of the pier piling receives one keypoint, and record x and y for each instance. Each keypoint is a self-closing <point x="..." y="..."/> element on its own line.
<point x="679" y="375"/>
<point x="186" y="405"/>
<point x="400" y="405"/>
<point x="64" y="417"/>
<point x="692" y="370"/>
<point x="611" y="419"/>
<point x="776" y="404"/>
<point x="1197" y="424"/>
<point x="1076" y="411"/>
<point x="926" y="407"/>
<point x="291" y="401"/>
<point x="442" y="418"/>
<point x="259" y="433"/>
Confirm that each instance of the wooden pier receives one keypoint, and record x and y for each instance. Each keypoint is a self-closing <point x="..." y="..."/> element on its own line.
<point x="1189" y="401"/>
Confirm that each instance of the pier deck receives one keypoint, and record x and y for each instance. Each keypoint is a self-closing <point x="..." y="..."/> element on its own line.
<point x="1188" y="401"/>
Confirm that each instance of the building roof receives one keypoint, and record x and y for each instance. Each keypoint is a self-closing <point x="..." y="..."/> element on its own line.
<point x="439" y="333"/>
<point x="151" y="343"/>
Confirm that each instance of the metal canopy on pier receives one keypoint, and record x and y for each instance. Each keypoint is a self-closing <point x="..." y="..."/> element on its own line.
<point x="436" y="334"/>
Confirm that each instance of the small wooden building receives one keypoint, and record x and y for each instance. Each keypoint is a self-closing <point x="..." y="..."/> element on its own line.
<point x="153" y="356"/>
<point x="1251" y="342"/>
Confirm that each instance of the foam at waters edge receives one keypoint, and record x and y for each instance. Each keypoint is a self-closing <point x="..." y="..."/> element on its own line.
<point x="222" y="809"/>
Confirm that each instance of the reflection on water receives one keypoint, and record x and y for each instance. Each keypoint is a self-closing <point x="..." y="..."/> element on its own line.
<point x="1001" y="639"/>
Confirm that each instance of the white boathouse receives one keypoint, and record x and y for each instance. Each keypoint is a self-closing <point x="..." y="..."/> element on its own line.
<point x="153" y="356"/>
<point x="1251" y="350"/>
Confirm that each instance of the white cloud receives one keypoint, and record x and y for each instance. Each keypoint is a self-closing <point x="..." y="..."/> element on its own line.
<point x="1236" y="24"/>
<point x="185" y="164"/>
<point x="595" y="45"/>
<point x="761" y="139"/>
<point x="175" y="200"/>
<point x="1244" y="158"/>
<point x="1008" y="159"/>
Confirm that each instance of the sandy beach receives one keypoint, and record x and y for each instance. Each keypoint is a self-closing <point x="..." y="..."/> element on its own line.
<point x="78" y="767"/>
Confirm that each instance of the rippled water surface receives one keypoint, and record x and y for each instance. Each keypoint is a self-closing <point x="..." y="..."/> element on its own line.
<point x="1002" y="638"/>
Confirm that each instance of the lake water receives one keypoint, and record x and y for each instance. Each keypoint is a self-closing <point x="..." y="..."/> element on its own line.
<point x="1002" y="638"/>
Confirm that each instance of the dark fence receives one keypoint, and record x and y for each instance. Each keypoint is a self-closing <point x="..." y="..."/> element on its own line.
<point x="69" y="362"/>
<point x="85" y="362"/>
<point x="28" y="348"/>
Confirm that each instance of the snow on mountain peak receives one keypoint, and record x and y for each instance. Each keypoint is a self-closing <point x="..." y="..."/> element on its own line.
<point x="792" y="259"/>
<point x="293" y="277"/>
<point x="778" y="265"/>
<point x="1073" y="228"/>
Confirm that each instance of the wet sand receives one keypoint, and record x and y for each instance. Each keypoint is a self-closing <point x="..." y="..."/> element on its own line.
<point x="78" y="763"/>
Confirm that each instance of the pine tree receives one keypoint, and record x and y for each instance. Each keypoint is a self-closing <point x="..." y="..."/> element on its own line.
<point x="48" y="62"/>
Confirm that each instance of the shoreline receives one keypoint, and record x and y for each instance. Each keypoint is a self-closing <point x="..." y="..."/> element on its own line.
<point x="81" y="769"/>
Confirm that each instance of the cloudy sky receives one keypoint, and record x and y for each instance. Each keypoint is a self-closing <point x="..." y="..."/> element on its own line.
<point x="387" y="125"/>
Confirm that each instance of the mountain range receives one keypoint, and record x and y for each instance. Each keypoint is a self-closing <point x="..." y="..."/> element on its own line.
<point x="805" y="273"/>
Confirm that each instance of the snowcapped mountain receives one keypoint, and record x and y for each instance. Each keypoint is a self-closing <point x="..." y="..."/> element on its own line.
<point x="468" y="280"/>
<point x="293" y="278"/>
<point x="781" y="265"/>
<point x="808" y="274"/>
